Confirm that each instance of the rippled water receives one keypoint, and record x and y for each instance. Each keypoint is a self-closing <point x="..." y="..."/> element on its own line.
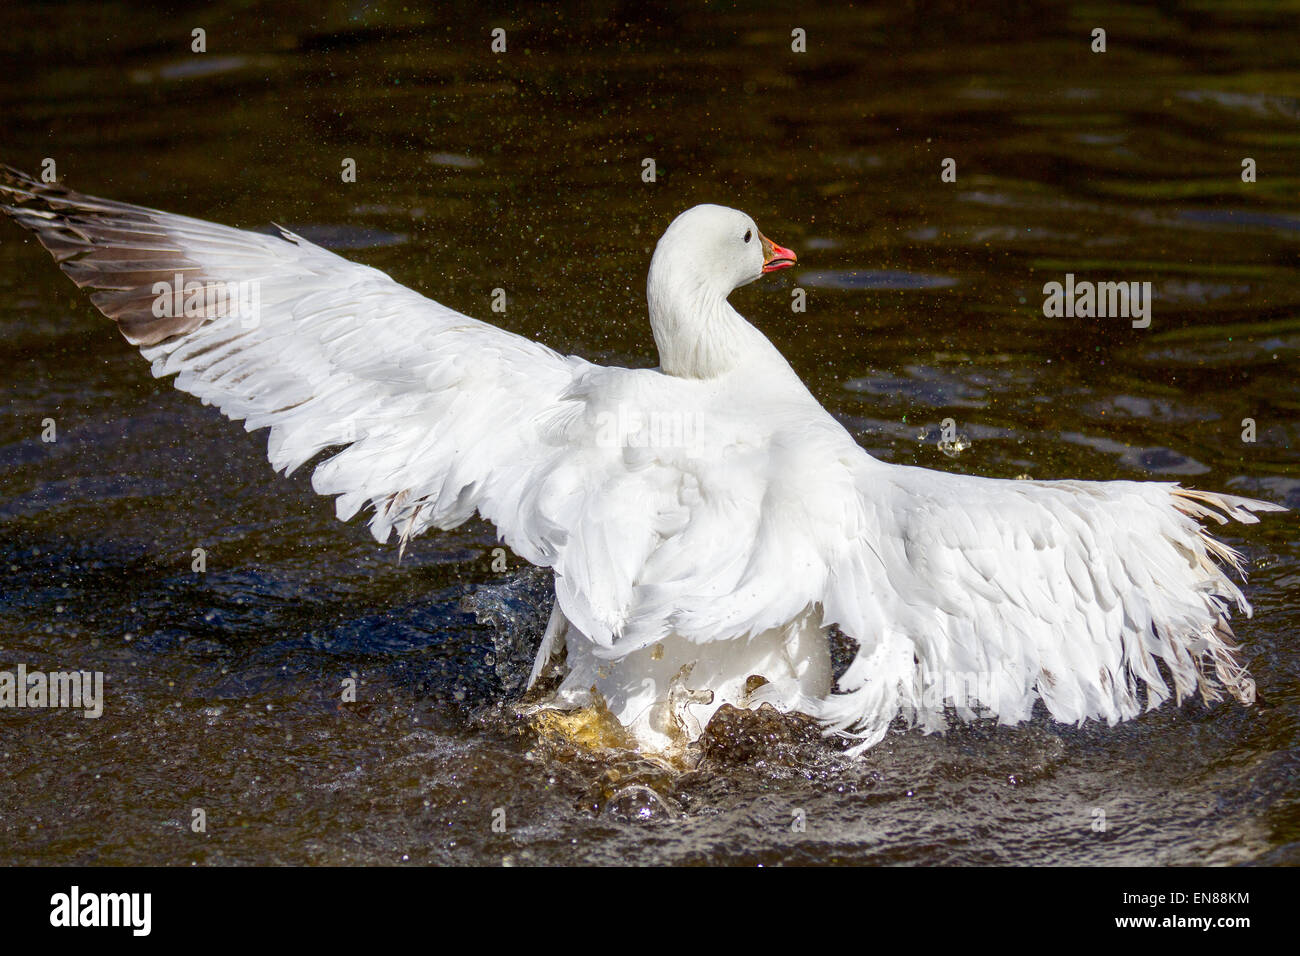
<point x="523" y="171"/>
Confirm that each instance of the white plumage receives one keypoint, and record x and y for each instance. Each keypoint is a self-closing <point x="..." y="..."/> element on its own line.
<point x="707" y="522"/>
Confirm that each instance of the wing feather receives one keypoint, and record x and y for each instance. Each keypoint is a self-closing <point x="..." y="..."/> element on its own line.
<point x="1071" y="592"/>
<point x="437" y="413"/>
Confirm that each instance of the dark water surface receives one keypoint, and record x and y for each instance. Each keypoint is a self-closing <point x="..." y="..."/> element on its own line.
<point x="523" y="171"/>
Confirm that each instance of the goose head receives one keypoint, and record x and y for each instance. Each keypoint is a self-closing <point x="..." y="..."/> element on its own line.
<point x="703" y="256"/>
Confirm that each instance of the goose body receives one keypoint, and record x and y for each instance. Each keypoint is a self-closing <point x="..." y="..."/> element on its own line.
<point x="709" y="525"/>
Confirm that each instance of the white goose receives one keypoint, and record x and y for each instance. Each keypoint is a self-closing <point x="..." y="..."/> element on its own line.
<point x="707" y="522"/>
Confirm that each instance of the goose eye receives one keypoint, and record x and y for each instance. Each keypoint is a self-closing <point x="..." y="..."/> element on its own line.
<point x="748" y="234"/>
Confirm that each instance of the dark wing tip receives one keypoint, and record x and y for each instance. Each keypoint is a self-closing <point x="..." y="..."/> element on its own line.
<point x="116" y="250"/>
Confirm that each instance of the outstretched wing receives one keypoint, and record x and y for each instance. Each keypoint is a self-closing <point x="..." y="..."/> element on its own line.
<point x="439" y="412"/>
<point x="647" y="504"/>
<point x="986" y="595"/>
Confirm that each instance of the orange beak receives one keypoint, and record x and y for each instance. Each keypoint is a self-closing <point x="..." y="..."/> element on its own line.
<point x="774" y="256"/>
